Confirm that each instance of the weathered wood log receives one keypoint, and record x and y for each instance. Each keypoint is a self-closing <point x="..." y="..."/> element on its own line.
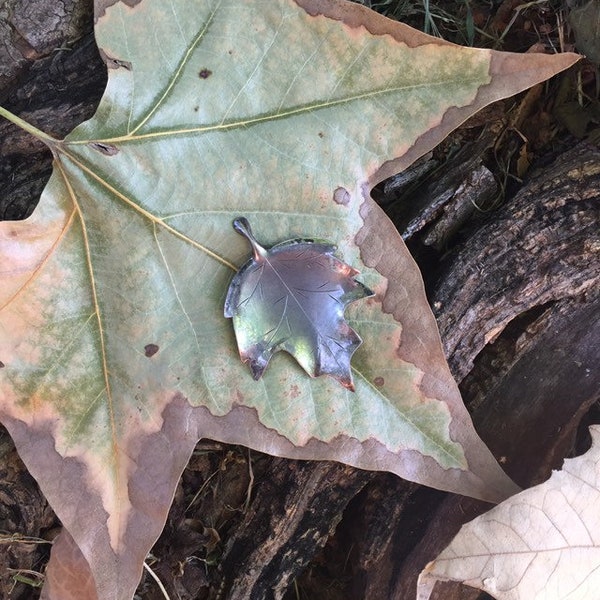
<point x="542" y="247"/>
<point x="518" y="313"/>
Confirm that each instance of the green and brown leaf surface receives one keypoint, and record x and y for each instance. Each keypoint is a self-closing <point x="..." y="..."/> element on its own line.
<point x="213" y="111"/>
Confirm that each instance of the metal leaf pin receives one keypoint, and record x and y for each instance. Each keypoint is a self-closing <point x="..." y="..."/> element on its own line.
<point x="292" y="297"/>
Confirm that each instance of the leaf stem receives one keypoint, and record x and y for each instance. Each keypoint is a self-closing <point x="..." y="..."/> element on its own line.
<point x="44" y="137"/>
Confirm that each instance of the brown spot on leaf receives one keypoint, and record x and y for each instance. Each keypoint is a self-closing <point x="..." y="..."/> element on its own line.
<point x="205" y="73"/>
<point x="114" y="63"/>
<point x="294" y="392"/>
<point x="379" y="381"/>
<point x="341" y="196"/>
<point x="106" y="149"/>
<point x="150" y="350"/>
<point x="321" y="134"/>
<point x="2" y="365"/>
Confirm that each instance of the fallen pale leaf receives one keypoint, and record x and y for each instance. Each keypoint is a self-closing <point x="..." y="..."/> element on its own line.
<point x="542" y="544"/>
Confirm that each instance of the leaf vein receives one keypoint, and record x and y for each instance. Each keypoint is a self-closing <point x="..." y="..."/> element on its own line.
<point x="178" y="71"/>
<point x="175" y="289"/>
<point x="148" y="215"/>
<point x="98" y="313"/>
<point x="266" y="117"/>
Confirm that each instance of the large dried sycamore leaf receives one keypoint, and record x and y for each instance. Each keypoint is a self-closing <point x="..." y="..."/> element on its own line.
<point x="116" y="354"/>
<point x="542" y="544"/>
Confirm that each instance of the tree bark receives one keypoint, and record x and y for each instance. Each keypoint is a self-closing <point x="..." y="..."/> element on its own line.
<point x="517" y="303"/>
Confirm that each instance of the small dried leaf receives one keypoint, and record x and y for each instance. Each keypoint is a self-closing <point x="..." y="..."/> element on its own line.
<point x="292" y="297"/>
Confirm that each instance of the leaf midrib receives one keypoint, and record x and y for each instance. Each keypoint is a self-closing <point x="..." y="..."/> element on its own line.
<point x="103" y="353"/>
<point x="266" y="117"/>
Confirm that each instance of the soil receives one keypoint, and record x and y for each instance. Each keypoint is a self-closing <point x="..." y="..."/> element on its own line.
<point x="512" y="196"/>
